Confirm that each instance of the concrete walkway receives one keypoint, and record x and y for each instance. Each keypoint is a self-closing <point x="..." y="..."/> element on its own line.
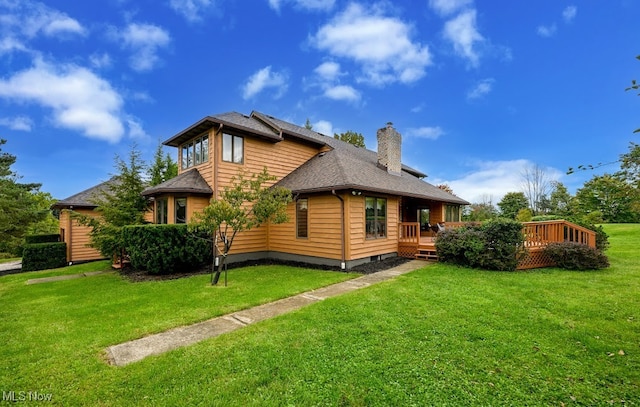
<point x="9" y="266"/>
<point x="138" y="349"/>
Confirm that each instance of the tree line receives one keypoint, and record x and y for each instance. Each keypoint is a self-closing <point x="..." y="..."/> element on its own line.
<point x="608" y="198"/>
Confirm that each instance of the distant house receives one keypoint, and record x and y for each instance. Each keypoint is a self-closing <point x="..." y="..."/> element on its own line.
<point x="348" y="201"/>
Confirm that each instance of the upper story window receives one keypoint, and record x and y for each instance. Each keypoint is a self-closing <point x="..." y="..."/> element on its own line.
<point x="375" y="217"/>
<point x="232" y="148"/>
<point x="195" y="152"/>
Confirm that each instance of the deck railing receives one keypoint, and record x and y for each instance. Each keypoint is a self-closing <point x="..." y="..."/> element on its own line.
<point x="537" y="236"/>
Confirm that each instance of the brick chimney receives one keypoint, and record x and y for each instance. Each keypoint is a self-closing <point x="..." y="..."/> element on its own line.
<point x="389" y="151"/>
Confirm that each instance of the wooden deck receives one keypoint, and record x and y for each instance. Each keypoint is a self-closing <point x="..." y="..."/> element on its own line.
<point x="416" y="244"/>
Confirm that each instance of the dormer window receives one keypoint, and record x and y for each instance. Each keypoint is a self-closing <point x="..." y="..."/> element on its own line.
<point x="195" y="152"/>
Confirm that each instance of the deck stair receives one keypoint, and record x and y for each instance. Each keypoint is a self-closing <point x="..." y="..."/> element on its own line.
<point x="425" y="252"/>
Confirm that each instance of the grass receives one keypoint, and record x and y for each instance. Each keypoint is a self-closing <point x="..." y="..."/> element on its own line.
<point x="439" y="336"/>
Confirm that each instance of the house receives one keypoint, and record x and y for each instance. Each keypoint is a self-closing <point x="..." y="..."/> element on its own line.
<point x="71" y="231"/>
<point x="348" y="202"/>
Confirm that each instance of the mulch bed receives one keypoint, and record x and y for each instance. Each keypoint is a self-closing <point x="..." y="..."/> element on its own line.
<point x="367" y="268"/>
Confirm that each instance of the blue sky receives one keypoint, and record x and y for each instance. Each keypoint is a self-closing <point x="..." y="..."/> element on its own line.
<point x="480" y="90"/>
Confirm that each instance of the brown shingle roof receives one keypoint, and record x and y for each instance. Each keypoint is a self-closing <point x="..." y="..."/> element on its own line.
<point x="85" y="198"/>
<point x="189" y="182"/>
<point x="343" y="167"/>
<point x="357" y="168"/>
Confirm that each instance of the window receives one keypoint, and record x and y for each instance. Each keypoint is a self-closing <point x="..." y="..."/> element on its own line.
<point x="195" y="152"/>
<point x="232" y="148"/>
<point x="181" y="210"/>
<point x="452" y="213"/>
<point x="376" y="217"/>
<point x="161" y="211"/>
<point x="302" y="217"/>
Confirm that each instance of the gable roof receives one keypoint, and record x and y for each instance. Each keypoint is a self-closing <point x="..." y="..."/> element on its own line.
<point x="85" y="198"/>
<point x="189" y="182"/>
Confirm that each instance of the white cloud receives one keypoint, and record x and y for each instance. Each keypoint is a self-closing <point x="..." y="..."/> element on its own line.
<point x="328" y="70"/>
<point x="381" y="45"/>
<point x="21" y="123"/>
<point x="481" y="89"/>
<point x="342" y="92"/>
<point x="546" y="30"/>
<point x="430" y="133"/>
<point x="448" y="7"/>
<point x="494" y="179"/>
<point x="144" y="40"/>
<point x="78" y="98"/>
<point x="100" y="60"/>
<point x="136" y="131"/>
<point x="569" y="13"/>
<point x="461" y="31"/>
<point x="264" y="79"/>
<point x="312" y="5"/>
<point x="192" y="10"/>
<point x="324" y="127"/>
<point x="29" y="19"/>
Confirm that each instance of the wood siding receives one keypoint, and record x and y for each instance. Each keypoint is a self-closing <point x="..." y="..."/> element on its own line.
<point x="77" y="237"/>
<point x="358" y="246"/>
<point x="324" y="233"/>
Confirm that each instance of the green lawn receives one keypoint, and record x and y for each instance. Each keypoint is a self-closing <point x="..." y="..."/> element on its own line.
<point x="438" y="336"/>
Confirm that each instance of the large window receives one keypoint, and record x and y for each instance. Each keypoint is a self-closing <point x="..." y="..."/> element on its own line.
<point x="376" y="217"/>
<point x="195" y="152"/>
<point x="161" y="211"/>
<point x="232" y="148"/>
<point x="181" y="210"/>
<point x="302" y="217"/>
<point x="452" y="213"/>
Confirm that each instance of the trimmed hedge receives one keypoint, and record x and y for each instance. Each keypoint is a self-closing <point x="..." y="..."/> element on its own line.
<point x="162" y="249"/>
<point x="47" y="238"/>
<point x="576" y="256"/>
<point x="44" y="256"/>
<point x="494" y="245"/>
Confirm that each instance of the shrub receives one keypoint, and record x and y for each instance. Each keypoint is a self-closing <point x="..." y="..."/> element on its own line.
<point x="576" y="256"/>
<point x="43" y="256"/>
<point x="524" y="215"/>
<point x="48" y="238"/>
<point x="543" y="218"/>
<point x="161" y="249"/>
<point x="460" y="246"/>
<point x="494" y="245"/>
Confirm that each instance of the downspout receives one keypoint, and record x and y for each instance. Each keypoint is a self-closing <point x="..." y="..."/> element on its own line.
<point x="343" y="263"/>
<point x="70" y="236"/>
<point x="215" y="161"/>
<point x="216" y="259"/>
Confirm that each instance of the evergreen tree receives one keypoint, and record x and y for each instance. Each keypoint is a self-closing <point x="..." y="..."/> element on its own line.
<point x="351" y="137"/>
<point x="18" y="205"/>
<point x="162" y="169"/>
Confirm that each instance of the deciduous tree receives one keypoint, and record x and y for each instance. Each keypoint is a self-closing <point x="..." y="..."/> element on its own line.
<point x="245" y="204"/>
